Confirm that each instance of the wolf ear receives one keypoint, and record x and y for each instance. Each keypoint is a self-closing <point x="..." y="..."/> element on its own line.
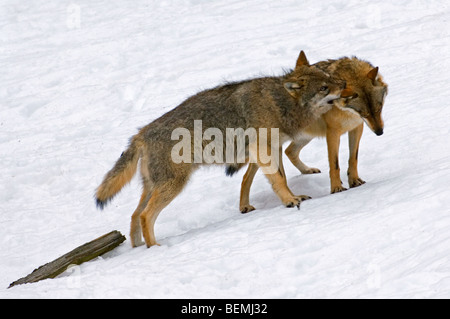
<point x="349" y="94"/>
<point x="372" y="75"/>
<point x="302" y="60"/>
<point x="294" y="88"/>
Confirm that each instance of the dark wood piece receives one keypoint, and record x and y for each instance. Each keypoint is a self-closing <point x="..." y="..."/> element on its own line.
<point x="79" y="255"/>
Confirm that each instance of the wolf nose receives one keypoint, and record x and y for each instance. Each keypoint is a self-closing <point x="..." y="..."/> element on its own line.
<point x="379" y="132"/>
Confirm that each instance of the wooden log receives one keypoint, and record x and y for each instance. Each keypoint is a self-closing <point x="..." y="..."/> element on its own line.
<point x="79" y="255"/>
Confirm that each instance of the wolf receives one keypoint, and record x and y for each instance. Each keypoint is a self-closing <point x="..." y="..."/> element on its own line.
<point x="288" y="103"/>
<point x="348" y="114"/>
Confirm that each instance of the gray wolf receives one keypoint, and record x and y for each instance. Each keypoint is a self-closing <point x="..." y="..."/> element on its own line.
<point x="288" y="103"/>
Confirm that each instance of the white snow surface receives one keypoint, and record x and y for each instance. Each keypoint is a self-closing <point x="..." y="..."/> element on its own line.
<point x="79" y="78"/>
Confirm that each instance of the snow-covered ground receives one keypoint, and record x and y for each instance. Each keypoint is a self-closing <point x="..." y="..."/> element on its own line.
<point x="78" y="78"/>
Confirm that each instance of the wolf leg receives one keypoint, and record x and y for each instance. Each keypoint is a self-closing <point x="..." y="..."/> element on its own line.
<point x="293" y="152"/>
<point x="333" y="141"/>
<point x="354" y="137"/>
<point x="135" y="228"/>
<point x="277" y="178"/>
<point x="161" y="197"/>
<point x="244" y="203"/>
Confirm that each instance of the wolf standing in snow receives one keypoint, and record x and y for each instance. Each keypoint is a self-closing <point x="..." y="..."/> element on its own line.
<point x="288" y="103"/>
<point x="346" y="115"/>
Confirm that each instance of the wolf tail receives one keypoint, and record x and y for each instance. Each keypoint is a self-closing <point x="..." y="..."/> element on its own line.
<point x="232" y="169"/>
<point x="120" y="175"/>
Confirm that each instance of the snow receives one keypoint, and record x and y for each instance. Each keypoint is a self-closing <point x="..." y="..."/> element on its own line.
<point x="78" y="79"/>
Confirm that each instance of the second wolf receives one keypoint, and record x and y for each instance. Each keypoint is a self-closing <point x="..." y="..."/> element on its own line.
<point x="289" y="103"/>
<point x="346" y="115"/>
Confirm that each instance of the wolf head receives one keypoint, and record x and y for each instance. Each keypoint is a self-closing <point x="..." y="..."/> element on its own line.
<point x="312" y="87"/>
<point x="368" y="100"/>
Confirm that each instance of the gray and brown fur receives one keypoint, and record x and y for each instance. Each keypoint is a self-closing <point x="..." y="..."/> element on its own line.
<point x="290" y="103"/>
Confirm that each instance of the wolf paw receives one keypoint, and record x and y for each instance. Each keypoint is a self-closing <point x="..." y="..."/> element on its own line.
<point x="296" y="201"/>
<point x="311" y="170"/>
<point x="247" y="209"/>
<point x="137" y="242"/>
<point x="338" y="189"/>
<point x="356" y="182"/>
<point x="153" y="244"/>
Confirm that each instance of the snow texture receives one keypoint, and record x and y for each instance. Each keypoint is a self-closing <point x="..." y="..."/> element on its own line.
<point x="79" y="78"/>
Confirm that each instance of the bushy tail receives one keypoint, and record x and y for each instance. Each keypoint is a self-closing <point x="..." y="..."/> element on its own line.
<point x="120" y="175"/>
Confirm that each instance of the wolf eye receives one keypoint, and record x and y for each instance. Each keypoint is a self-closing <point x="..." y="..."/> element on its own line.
<point x="324" y="88"/>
